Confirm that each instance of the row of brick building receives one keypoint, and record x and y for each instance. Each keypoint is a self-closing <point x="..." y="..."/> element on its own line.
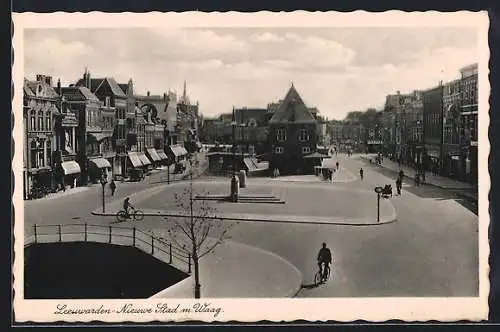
<point x="97" y="128"/>
<point x="434" y="129"/>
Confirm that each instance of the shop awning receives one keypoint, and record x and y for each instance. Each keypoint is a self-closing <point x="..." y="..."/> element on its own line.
<point x="71" y="167"/>
<point x="154" y="155"/>
<point x="100" y="163"/>
<point x="145" y="161"/>
<point x="178" y="150"/>
<point x="162" y="154"/>
<point x="134" y="159"/>
<point x="98" y="136"/>
<point x="316" y="155"/>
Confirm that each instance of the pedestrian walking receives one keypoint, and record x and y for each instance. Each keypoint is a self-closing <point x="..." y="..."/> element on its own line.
<point x="337" y="165"/>
<point x="361" y="172"/>
<point x="112" y="186"/>
<point x="399" y="184"/>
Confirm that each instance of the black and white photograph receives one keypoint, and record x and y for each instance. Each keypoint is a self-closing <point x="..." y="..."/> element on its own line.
<point x="279" y="166"/>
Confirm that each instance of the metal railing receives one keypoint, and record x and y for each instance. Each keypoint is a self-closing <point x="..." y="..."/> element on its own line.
<point x="125" y="236"/>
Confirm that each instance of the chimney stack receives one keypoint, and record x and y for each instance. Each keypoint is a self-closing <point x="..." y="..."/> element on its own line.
<point x="87" y="83"/>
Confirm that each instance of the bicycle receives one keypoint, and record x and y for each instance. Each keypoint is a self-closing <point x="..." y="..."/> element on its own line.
<point x="123" y="215"/>
<point x="322" y="278"/>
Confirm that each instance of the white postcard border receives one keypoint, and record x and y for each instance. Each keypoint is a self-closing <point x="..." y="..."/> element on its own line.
<point x="252" y="310"/>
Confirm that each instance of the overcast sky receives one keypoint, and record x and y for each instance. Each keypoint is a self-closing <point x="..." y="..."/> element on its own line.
<point x="337" y="69"/>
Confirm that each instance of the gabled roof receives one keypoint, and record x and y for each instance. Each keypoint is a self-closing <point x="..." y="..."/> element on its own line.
<point x="31" y="86"/>
<point x="97" y="83"/>
<point x="78" y="93"/>
<point x="292" y="110"/>
<point x="123" y="87"/>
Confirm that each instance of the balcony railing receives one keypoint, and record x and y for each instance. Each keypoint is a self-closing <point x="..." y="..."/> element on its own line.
<point x="116" y="235"/>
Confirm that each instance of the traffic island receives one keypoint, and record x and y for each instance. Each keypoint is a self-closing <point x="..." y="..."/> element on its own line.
<point x="237" y="270"/>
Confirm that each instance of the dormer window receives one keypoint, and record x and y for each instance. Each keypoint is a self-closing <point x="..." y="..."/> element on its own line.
<point x="39" y="89"/>
<point x="107" y="102"/>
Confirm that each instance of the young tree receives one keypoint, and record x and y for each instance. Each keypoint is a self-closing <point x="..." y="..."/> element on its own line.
<point x="198" y="232"/>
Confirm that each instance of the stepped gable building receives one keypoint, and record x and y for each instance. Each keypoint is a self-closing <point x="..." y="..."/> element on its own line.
<point x="110" y="94"/>
<point x="293" y="137"/>
<point x="40" y="101"/>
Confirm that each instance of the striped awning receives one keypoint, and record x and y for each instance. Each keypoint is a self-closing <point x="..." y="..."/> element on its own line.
<point x="134" y="159"/>
<point x="145" y="161"/>
<point x="178" y="150"/>
<point x="162" y="154"/>
<point x="100" y="163"/>
<point x="71" y="167"/>
<point x="153" y="154"/>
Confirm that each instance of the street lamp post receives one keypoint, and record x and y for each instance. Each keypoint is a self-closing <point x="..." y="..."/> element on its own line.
<point x="378" y="190"/>
<point x="103" y="184"/>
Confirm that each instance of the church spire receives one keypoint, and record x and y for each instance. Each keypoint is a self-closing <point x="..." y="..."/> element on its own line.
<point x="184" y="93"/>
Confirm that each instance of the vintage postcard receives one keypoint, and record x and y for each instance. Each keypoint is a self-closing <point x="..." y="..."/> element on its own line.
<point x="251" y="166"/>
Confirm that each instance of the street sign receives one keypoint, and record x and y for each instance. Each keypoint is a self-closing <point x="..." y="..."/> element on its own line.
<point x="378" y="190"/>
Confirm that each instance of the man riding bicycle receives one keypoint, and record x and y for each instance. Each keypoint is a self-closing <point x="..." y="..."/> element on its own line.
<point x="324" y="258"/>
<point x="127" y="206"/>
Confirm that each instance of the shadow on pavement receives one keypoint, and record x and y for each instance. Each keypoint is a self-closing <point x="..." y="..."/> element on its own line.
<point x="310" y="286"/>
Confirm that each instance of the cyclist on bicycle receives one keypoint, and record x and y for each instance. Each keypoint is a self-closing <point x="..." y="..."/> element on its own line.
<point x="127" y="206"/>
<point x="324" y="258"/>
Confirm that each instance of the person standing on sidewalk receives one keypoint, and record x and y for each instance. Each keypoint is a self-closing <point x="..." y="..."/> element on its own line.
<point x="399" y="185"/>
<point x="112" y="187"/>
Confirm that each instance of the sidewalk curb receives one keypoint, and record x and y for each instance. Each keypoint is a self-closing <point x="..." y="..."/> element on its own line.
<point x="385" y="221"/>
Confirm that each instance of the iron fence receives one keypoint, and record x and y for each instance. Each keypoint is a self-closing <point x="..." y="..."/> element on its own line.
<point x="117" y="235"/>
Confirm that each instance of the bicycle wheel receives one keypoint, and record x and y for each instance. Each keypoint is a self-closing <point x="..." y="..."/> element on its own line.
<point x="327" y="274"/>
<point x="317" y="278"/>
<point x="138" y="215"/>
<point x="121" y="216"/>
